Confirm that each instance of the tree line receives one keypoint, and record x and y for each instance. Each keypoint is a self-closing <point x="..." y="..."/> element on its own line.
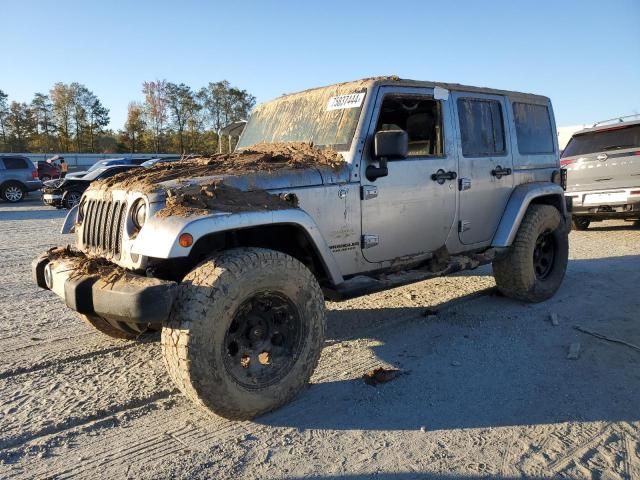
<point x="170" y="118"/>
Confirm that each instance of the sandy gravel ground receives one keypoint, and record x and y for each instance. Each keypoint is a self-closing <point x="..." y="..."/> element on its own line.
<point x="487" y="388"/>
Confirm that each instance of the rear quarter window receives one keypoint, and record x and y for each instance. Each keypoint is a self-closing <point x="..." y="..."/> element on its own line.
<point x="15" y="163"/>
<point x="533" y="128"/>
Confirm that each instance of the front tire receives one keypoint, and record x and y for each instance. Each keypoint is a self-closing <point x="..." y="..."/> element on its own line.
<point x="71" y="198"/>
<point x="533" y="267"/>
<point x="245" y="332"/>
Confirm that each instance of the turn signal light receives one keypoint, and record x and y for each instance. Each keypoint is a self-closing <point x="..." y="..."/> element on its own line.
<point x="185" y="240"/>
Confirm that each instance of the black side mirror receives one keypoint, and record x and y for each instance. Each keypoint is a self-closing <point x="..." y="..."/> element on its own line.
<point x="387" y="145"/>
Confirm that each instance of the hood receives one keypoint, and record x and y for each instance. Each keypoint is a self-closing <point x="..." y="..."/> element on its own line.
<point x="263" y="167"/>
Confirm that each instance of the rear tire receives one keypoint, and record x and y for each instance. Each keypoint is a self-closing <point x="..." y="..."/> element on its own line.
<point x="245" y="332"/>
<point x="120" y="330"/>
<point x="533" y="267"/>
<point x="13" y="192"/>
<point x="580" y="223"/>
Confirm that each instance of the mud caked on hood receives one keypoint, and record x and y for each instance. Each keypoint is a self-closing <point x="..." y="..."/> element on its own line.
<point x="242" y="177"/>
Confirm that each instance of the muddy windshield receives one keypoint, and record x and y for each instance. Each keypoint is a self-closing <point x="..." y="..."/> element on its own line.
<point x="326" y="117"/>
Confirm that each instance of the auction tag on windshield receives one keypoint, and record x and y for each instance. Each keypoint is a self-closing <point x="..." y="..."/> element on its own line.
<point x="352" y="100"/>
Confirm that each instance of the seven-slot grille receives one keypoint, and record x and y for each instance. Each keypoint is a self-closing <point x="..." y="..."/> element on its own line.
<point x="104" y="222"/>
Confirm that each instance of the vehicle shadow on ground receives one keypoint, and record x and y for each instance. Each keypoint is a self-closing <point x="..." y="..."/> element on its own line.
<point x="488" y="362"/>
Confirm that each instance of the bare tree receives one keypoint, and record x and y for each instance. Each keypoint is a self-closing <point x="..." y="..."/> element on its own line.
<point x="155" y="102"/>
<point x="135" y="125"/>
<point x="4" y="111"/>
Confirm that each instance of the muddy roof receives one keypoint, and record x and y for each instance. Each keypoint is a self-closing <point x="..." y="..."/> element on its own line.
<point x="392" y="80"/>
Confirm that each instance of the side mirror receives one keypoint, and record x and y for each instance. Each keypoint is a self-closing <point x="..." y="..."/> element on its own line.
<point x="391" y="144"/>
<point x="387" y="145"/>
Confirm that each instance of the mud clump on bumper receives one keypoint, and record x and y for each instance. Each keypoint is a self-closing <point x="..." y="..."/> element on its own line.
<point x="84" y="265"/>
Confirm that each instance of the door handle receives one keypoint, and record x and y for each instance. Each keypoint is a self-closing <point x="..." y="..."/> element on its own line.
<point x="500" y="172"/>
<point x="441" y="176"/>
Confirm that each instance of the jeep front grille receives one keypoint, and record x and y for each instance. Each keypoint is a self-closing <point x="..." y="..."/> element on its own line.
<point x="103" y="226"/>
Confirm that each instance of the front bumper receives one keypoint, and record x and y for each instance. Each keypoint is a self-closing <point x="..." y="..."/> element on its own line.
<point x="131" y="299"/>
<point x="52" y="199"/>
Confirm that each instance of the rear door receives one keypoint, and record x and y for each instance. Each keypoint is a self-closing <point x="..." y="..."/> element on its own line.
<point x="603" y="159"/>
<point x="17" y="168"/>
<point x="485" y="164"/>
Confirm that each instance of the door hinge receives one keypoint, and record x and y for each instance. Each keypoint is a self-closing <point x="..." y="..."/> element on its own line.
<point x="464" y="225"/>
<point x="369" y="241"/>
<point x="367" y="192"/>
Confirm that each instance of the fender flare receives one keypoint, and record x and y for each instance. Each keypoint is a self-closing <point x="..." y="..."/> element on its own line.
<point x="159" y="236"/>
<point x="522" y="196"/>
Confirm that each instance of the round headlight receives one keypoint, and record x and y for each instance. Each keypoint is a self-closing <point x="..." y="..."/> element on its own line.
<point x="139" y="213"/>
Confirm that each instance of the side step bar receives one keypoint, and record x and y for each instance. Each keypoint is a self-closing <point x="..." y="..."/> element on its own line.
<point x="365" y="284"/>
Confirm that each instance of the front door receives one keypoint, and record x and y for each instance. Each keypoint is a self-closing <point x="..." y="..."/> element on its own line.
<point x="485" y="164"/>
<point x="407" y="212"/>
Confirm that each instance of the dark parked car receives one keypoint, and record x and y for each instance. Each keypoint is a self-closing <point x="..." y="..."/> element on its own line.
<point x="17" y="177"/>
<point x="109" y="162"/>
<point x="47" y="171"/>
<point x="66" y="192"/>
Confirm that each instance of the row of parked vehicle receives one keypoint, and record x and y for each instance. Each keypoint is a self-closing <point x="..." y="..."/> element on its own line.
<point x="19" y="176"/>
<point x="66" y="192"/>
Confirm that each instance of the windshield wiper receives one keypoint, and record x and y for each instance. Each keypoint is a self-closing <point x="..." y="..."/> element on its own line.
<point x="616" y="147"/>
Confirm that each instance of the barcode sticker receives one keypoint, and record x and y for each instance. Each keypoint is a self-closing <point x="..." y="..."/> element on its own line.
<point x="352" y="100"/>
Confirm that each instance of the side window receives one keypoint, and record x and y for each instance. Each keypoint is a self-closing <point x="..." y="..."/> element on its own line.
<point x="533" y="128"/>
<point x="481" y="127"/>
<point x="14" y="163"/>
<point x="420" y="117"/>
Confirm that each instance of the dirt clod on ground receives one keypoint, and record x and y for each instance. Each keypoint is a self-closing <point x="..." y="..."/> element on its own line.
<point x="380" y="375"/>
<point x="258" y="158"/>
<point x="84" y="265"/>
<point x="195" y="199"/>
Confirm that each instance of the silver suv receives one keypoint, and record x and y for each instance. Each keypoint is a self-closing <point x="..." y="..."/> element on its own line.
<point x="18" y="176"/>
<point x="332" y="193"/>
<point x="603" y="172"/>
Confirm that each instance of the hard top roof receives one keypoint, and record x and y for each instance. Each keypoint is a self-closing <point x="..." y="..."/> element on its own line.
<point x="393" y="80"/>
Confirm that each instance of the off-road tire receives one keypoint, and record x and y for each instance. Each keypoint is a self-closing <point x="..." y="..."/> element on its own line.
<point x="10" y="190"/>
<point x="208" y="301"/>
<point x="514" y="270"/>
<point x="580" y="223"/>
<point x="120" y="330"/>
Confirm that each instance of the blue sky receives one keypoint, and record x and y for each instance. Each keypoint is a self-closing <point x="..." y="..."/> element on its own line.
<point x="584" y="55"/>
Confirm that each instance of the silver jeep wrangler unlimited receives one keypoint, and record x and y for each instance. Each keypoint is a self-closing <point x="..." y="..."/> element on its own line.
<point x="433" y="178"/>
